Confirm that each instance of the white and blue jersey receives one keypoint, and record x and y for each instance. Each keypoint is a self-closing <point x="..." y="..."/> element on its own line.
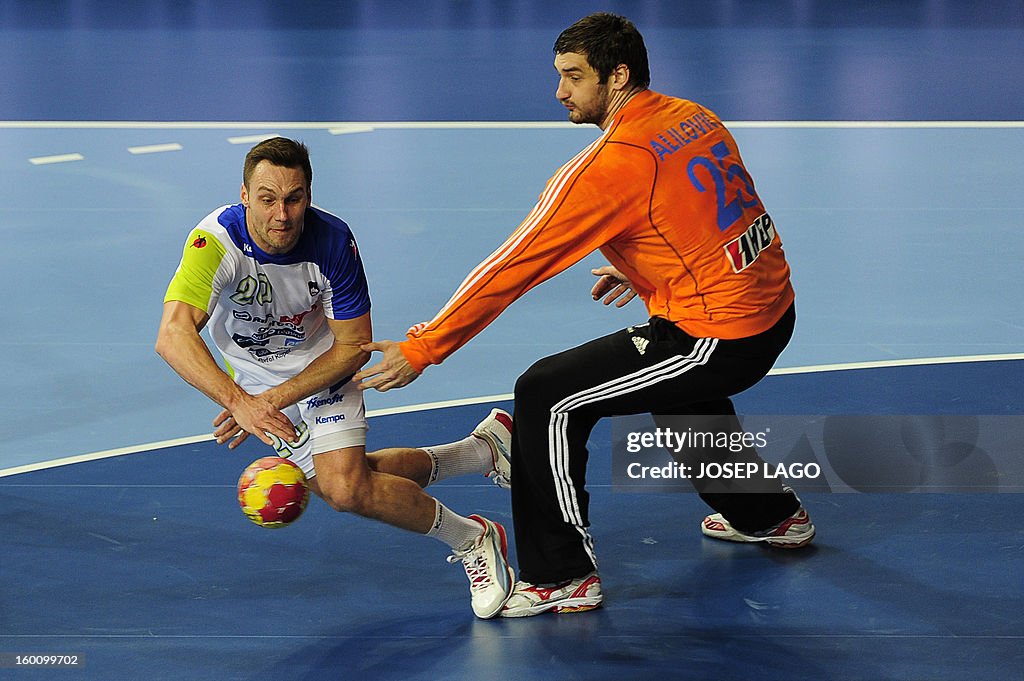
<point x="268" y="315"/>
<point x="268" y="312"/>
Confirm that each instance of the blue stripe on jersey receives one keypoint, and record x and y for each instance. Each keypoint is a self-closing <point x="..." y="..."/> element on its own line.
<point x="327" y="242"/>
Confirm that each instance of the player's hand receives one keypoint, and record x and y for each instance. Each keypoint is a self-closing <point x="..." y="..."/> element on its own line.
<point x="227" y="429"/>
<point x="394" y="371"/>
<point x="613" y="285"/>
<point x="254" y="415"/>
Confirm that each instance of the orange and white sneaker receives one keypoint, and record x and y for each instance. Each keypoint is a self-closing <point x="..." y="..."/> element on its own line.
<point x="795" y="531"/>
<point x="496" y="431"/>
<point x="575" y="595"/>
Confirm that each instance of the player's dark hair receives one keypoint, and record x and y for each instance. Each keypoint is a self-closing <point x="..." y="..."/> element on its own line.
<point x="279" y="151"/>
<point x="608" y="40"/>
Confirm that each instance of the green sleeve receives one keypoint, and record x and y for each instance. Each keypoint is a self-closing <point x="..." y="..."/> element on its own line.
<point x="193" y="282"/>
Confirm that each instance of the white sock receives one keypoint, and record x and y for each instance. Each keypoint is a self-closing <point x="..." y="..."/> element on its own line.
<point x="453" y="529"/>
<point x="468" y="455"/>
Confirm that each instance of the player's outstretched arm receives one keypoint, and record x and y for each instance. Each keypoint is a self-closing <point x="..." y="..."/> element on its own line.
<point x="179" y="344"/>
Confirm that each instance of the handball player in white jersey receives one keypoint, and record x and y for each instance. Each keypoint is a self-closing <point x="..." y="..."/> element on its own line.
<point x="280" y="285"/>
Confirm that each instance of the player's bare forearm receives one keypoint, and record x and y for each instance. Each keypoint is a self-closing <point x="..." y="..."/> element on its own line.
<point x="343" y="359"/>
<point x="180" y="345"/>
<point x="192" y="360"/>
<point x="340" y="361"/>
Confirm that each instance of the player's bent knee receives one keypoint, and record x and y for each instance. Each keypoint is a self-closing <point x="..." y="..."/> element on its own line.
<point x="344" y="497"/>
<point x="534" y="386"/>
<point x="344" y="502"/>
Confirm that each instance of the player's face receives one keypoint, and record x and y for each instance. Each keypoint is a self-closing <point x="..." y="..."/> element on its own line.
<point x="580" y="89"/>
<point x="276" y="201"/>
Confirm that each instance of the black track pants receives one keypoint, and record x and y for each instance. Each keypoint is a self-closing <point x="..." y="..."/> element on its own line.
<point x="654" y="368"/>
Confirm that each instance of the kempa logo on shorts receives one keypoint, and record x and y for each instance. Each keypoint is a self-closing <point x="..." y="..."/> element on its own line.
<point x="322" y="420"/>
<point x="318" y="402"/>
<point x="744" y="249"/>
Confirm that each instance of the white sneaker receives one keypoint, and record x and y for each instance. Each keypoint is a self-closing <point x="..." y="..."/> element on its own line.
<point x="486" y="563"/>
<point x="795" y="531"/>
<point x="575" y="595"/>
<point x="496" y="431"/>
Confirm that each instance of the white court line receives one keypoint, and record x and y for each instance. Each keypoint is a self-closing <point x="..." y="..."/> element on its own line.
<point x="821" y="368"/>
<point x="108" y="454"/>
<point x="438" y="405"/>
<point x="155" y="148"/>
<point x="887" y="363"/>
<point x="136" y="449"/>
<point x="150" y="636"/>
<point x="473" y="125"/>
<point x="452" y="125"/>
<point x="59" y="158"/>
<point x="351" y="128"/>
<point x="251" y="139"/>
<point x="347" y="127"/>
<point x="870" y="125"/>
<point x="264" y="125"/>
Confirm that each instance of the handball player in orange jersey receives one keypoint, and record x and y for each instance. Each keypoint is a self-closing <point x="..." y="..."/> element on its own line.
<point x="665" y="197"/>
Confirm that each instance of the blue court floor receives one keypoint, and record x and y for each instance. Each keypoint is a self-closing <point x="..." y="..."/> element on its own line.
<point x="885" y="139"/>
<point x="143" y="565"/>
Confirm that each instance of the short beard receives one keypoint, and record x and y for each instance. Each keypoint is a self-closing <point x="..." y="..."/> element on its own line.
<point x="594" y="115"/>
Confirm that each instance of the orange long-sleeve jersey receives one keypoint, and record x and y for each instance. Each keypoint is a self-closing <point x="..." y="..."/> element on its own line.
<point x="664" y="195"/>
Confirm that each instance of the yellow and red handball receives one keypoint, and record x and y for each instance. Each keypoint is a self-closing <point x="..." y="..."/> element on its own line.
<point x="273" y="492"/>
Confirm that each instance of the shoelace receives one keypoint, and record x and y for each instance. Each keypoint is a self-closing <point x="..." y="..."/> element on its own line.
<point x="499" y="479"/>
<point x="476" y="567"/>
